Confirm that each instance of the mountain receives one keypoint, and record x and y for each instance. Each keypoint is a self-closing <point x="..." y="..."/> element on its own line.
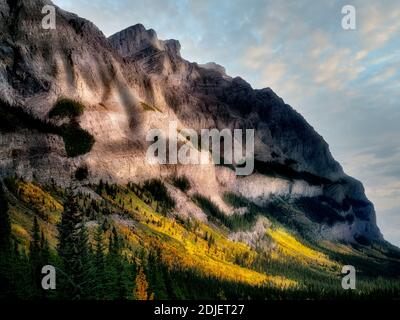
<point x="76" y="108"/>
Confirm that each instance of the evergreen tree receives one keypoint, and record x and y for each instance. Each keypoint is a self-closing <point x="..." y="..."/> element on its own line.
<point x="100" y="267"/>
<point x="22" y="277"/>
<point x="118" y="269"/>
<point x="45" y="250"/>
<point x="156" y="276"/>
<point x="35" y="259"/>
<point x="5" y="247"/>
<point x="111" y="278"/>
<point x="15" y="275"/>
<point x="74" y="253"/>
<point x="5" y="225"/>
<point x="172" y="284"/>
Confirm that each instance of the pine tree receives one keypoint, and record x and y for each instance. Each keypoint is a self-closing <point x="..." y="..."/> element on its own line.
<point x="22" y="278"/>
<point x="156" y="276"/>
<point x="100" y="268"/>
<point x="35" y="259"/>
<point x="118" y="268"/>
<point x="5" y="247"/>
<point x="5" y="225"/>
<point x="45" y="250"/>
<point x="74" y="253"/>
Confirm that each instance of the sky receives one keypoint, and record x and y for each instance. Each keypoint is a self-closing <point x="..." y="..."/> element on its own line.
<point x="346" y="83"/>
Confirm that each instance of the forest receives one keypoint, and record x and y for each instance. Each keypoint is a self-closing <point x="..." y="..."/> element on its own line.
<point x="129" y="244"/>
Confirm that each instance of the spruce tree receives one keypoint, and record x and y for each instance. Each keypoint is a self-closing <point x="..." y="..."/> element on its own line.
<point x="155" y="276"/>
<point x="5" y="225"/>
<point x="15" y="277"/>
<point x="117" y="264"/>
<point x="74" y="253"/>
<point x="35" y="260"/>
<point x="100" y="284"/>
<point x="119" y="272"/>
<point x="5" y="247"/>
<point x="45" y="253"/>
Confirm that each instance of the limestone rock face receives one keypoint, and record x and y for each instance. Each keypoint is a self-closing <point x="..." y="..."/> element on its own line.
<point x="134" y="39"/>
<point x="132" y="82"/>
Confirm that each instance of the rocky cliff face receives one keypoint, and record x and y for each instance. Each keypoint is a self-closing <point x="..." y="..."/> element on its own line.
<point x="132" y="82"/>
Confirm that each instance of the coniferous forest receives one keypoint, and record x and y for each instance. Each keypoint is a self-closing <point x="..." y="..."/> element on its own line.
<point x="128" y="243"/>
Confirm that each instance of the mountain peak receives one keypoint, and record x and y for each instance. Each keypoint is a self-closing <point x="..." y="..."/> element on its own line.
<point x="77" y="62"/>
<point x="173" y="46"/>
<point x="214" y="66"/>
<point x="136" y="38"/>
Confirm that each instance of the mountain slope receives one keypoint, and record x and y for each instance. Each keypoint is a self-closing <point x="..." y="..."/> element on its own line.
<point x="116" y="89"/>
<point x="75" y="110"/>
<point x="286" y="267"/>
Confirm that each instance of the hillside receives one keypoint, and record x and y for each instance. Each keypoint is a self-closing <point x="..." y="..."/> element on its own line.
<point x="281" y="265"/>
<point x="75" y="110"/>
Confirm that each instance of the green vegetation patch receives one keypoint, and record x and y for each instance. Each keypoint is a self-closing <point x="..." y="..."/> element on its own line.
<point x="182" y="183"/>
<point x="67" y="108"/>
<point x="160" y="193"/>
<point x="77" y="140"/>
<point x="82" y="173"/>
<point x="234" y="222"/>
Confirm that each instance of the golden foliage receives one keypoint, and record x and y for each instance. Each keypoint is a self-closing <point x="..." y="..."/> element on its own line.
<point x="141" y="287"/>
<point x="19" y="232"/>
<point x="190" y="248"/>
<point x="290" y="246"/>
<point x="182" y="244"/>
<point x="38" y="199"/>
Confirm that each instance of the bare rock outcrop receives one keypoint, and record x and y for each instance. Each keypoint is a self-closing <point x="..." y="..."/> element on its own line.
<point x="132" y="82"/>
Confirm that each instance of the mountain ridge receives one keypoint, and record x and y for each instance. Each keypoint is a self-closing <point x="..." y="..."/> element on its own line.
<point x="113" y="77"/>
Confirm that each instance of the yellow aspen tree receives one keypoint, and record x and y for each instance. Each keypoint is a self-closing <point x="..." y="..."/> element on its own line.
<point x="141" y="286"/>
